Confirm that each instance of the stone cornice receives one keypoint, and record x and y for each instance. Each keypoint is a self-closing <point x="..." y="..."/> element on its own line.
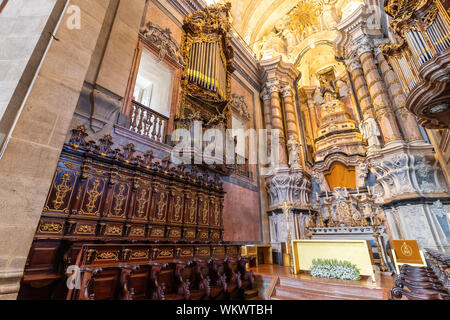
<point x="277" y="68"/>
<point x="246" y="64"/>
<point x="353" y="28"/>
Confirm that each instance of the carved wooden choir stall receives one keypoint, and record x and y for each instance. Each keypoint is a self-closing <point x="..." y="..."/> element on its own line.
<point x="424" y="283"/>
<point x="124" y="225"/>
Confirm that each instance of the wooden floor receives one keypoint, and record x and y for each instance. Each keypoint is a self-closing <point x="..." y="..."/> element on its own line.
<point x="305" y="287"/>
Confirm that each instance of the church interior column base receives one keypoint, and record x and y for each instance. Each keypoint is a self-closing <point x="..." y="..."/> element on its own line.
<point x="427" y="223"/>
<point x="10" y="284"/>
<point x="411" y="188"/>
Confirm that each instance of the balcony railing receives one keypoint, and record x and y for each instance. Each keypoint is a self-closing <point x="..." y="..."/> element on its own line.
<point x="148" y="122"/>
<point x="241" y="167"/>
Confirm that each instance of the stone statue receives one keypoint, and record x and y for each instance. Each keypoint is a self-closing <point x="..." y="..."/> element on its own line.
<point x="370" y="131"/>
<point x="320" y="180"/>
<point x="294" y="153"/>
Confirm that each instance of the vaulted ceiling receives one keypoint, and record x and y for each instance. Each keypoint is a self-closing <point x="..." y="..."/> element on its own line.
<point x="252" y="19"/>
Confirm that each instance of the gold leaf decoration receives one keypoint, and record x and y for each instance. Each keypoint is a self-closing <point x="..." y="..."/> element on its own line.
<point x="305" y="15"/>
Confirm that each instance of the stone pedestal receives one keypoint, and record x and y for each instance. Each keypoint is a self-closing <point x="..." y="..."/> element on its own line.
<point x="425" y="222"/>
<point x="293" y="186"/>
<point x="410" y="180"/>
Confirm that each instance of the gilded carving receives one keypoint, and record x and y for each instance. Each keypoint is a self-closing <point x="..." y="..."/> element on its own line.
<point x="137" y="232"/>
<point x="203" y="252"/>
<point x="192" y="209"/>
<point x="142" y="202"/>
<point x="162" y="206"/>
<point x="107" y="256"/>
<point x="120" y="199"/>
<point x="217" y="213"/>
<point x="186" y="252"/>
<point x="189" y="234"/>
<point x="165" y="253"/>
<point x="113" y="231"/>
<point x="177" y="214"/>
<point x="85" y="229"/>
<point x="205" y="211"/>
<point x="51" y="227"/>
<point x="174" y="233"/>
<point x="139" y="255"/>
<point x="93" y="194"/>
<point x="156" y="232"/>
<point x="61" y="191"/>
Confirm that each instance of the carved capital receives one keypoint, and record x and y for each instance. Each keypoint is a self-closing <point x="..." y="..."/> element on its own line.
<point x="364" y="46"/>
<point x="265" y="94"/>
<point x="273" y="86"/>
<point x="292" y="186"/>
<point x="286" y="91"/>
<point x="353" y="64"/>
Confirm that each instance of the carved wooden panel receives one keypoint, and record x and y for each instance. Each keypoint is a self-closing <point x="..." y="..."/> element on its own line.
<point x="82" y="228"/>
<point x="118" y="196"/>
<point x="142" y="199"/>
<point x="203" y="207"/>
<point x="176" y="206"/>
<point x="157" y="232"/>
<point x="137" y="231"/>
<point x="62" y="190"/>
<point x="160" y="200"/>
<point x="48" y="226"/>
<point x="93" y="191"/>
<point x="190" y="209"/>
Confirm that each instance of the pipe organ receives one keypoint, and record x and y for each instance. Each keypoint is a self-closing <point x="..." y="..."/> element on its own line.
<point x="206" y="47"/>
<point x="421" y="56"/>
<point x="206" y="67"/>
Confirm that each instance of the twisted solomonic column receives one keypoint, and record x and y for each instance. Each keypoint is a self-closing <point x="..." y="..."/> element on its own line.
<point x="378" y="93"/>
<point x="291" y="118"/>
<point x="406" y="119"/>
<point x="369" y="126"/>
<point x="265" y="96"/>
<point x="362" y="91"/>
<point x="273" y="88"/>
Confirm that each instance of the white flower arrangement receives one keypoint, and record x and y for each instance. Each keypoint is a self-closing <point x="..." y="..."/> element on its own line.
<point x="334" y="269"/>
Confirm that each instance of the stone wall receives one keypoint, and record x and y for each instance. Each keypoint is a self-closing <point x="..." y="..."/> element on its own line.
<point x="108" y="90"/>
<point x="24" y="33"/>
<point x="31" y="156"/>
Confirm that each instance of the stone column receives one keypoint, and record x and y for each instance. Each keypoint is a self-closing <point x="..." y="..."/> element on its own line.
<point x="406" y="119"/>
<point x="273" y="87"/>
<point x="312" y="112"/>
<point x="265" y="96"/>
<point x="372" y="131"/>
<point x="362" y="91"/>
<point x="378" y="93"/>
<point x="291" y="118"/>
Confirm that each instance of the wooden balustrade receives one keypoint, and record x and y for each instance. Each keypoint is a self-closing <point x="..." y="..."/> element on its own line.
<point x="148" y="122"/>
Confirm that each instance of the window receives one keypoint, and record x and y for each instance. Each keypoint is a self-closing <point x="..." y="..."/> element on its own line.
<point x="151" y="97"/>
<point x="153" y="84"/>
